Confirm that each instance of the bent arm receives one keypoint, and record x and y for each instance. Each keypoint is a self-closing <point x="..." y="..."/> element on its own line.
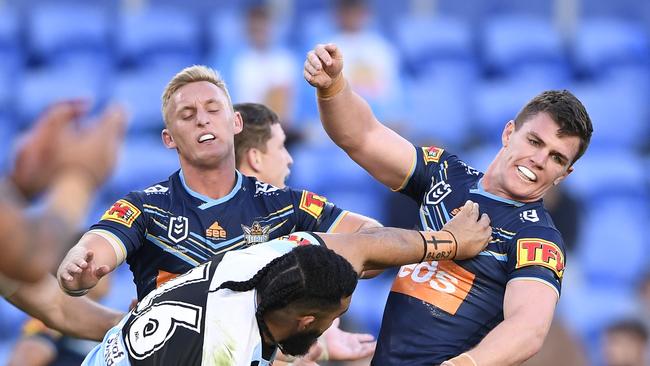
<point x="349" y="121"/>
<point x="354" y="222"/>
<point x="528" y="309"/>
<point x="74" y="316"/>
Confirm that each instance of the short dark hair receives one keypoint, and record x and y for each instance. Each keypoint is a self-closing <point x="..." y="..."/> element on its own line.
<point x="632" y="327"/>
<point x="566" y="110"/>
<point x="257" y="119"/>
<point x="309" y="276"/>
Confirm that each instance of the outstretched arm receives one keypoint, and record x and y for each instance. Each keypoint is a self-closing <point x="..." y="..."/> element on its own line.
<point x="349" y="121"/>
<point x="462" y="237"/>
<point x="76" y="317"/>
<point x="91" y="259"/>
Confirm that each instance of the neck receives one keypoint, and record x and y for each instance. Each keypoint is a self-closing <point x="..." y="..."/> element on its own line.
<point x="215" y="182"/>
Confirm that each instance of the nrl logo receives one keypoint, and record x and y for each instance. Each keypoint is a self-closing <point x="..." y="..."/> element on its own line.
<point x="256" y="233"/>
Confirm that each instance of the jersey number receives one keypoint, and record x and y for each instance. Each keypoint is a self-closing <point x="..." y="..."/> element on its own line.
<point x="155" y="323"/>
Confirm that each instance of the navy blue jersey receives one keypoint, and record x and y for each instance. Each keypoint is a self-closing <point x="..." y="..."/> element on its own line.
<point x="168" y="229"/>
<point x="437" y="310"/>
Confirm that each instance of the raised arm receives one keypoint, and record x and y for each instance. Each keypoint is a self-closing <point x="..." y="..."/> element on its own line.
<point x="91" y="259"/>
<point x="377" y="248"/>
<point x="349" y="121"/>
<point x="76" y="317"/>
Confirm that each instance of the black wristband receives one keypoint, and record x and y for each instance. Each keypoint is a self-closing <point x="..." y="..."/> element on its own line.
<point x="424" y="242"/>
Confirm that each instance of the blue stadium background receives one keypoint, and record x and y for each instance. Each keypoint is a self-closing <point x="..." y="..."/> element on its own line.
<point x="465" y="68"/>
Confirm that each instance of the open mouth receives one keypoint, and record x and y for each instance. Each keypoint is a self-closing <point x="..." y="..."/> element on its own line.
<point x="206" y="137"/>
<point x="526" y="173"/>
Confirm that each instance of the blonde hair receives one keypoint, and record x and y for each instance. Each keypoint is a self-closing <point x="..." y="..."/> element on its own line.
<point x="189" y="75"/>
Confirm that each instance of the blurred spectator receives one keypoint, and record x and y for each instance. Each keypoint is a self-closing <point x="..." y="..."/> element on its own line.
<point x="264" y="71"/>
<point x="69" y="163"/>
<point x="626" y="344"/>
<point x="644" y="299"/>
<point x="371" y="61"/>
<point x="559" y="342"/>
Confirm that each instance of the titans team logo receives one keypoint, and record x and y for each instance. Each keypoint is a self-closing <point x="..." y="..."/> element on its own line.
<point x="178" y="229"/>
<point x="256" y="233"/>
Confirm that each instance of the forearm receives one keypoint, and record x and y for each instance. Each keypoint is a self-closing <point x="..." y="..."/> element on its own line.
<point x="347" y="118"/>
<point x="511" y="343"/>
<point x="87" y="319"/>
<point x="380" y="248"/>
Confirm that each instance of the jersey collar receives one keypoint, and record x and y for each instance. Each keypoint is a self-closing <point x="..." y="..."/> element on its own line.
<point x="478" y="189"/>
<point x="210" y="202"/>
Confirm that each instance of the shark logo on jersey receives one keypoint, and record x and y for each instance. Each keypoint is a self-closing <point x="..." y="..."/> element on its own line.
<point x="178" y="229"/>
<point x="256" y="233"/>
<point x="264" y="188"/>
<point x="529" y="215"/>
<point x="157" y="189"/>
<point x="437" y="193"/>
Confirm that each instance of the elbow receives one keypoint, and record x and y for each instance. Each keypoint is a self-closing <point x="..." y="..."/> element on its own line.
<point x="535" y="341"/>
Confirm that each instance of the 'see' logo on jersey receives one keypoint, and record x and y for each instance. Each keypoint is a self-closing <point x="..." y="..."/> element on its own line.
<point x="178" y="229"/>
<point x="437" y="193"/>
<point x="123" y="212"/>
<point x="540" y="252"/>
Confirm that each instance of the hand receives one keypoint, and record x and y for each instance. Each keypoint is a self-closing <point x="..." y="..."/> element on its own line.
<point x="471" y="233"/>
<point x="310" y="358"/>
<point x="323" y="65"/>
<point x="344" y="346"/>
<point x="78" y="271"/>
<point x="34" y="166"/>
<point x="94" y="150"/>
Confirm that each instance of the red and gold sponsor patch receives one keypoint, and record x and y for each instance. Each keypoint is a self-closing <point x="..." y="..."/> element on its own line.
<point x="443" y="284"/>
<point x="432" y="154"/>
<point x="312" y="203"/>
<point x="540" y="252"/>
<point x="123" y="212"/>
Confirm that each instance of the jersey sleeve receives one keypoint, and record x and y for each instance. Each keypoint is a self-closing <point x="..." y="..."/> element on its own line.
<point x="425" y="166"/>
<point x="538" y="253"/>
<point x="123" y="225"/>
<point x="314" y="213"/>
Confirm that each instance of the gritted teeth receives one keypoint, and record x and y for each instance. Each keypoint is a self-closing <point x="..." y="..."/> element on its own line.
<point x="206" y="137"/>
<point x="527" y="173"/>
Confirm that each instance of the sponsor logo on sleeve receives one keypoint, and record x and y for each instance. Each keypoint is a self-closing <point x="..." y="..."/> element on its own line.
<point x="312" y="204"/>
<point x="443" y="284"/>
<point x="123" y="212"/>
<point x="540" y="252"/>
<point x="432" y="154"/>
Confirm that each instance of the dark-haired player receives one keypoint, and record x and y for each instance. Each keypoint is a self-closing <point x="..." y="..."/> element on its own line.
<point x="494" y="309"/>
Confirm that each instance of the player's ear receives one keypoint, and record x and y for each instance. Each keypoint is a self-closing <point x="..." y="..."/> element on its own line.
<point x="507" y="132"/>
<point x="561" y="178"/>
<point x="254" y="159"/>
<point x="238" y="123"/>
<point x="167" y="139"/>
<point x="305" y="322"/>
